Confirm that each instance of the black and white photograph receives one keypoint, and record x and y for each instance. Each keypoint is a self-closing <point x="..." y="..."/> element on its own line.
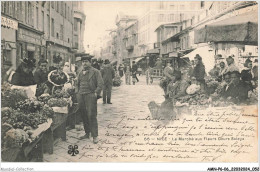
<point x="129" y="82"/>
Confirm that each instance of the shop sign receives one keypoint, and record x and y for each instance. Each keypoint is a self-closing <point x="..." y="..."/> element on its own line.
<point x="28" y="36"/>
<point x="59" y="49"/>
<point x="6" y="22"/>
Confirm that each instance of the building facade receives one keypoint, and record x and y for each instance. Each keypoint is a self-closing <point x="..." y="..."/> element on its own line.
<point x="187" y="41"/>
<point x="38" y="29"/>
<point x="79" y="19"/>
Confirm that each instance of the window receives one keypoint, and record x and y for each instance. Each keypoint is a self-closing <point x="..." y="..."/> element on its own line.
<point x="42" y="20"/>
<point x="65" y="11"/>
<point x="61" y="32"/>
<point x="37" y="17"/>
<point x="52" y="27"/>
<point x="48" y="24"/>
<point x="52" y="4"/>
<point x="171" y="17"/>
<point x="58" y="7"/>
<point x="172" y="7"/>
<point x="61" y="9"/>
<point x="75" y="24"/>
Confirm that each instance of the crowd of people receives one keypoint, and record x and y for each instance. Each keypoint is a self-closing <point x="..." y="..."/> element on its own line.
<point x="89" y="79"/>
<point x="235" y="84"/>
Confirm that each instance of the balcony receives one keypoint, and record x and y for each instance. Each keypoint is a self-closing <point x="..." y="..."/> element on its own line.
<point x="130" y="48"/>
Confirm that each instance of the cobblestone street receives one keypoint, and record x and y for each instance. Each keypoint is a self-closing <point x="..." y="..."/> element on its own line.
<point x="117" y="125"/>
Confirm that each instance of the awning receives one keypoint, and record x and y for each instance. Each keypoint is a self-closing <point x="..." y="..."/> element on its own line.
<point x="241" y="28"/>
<point x="206" y="55"/>
<point x="138" y="59"/>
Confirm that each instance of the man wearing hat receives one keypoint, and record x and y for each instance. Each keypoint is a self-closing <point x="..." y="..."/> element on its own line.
<point x="108" y="73"/>
<point x="89" y="85"/>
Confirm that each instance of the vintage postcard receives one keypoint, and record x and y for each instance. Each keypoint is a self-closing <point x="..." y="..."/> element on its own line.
<point x="158" y="81"/>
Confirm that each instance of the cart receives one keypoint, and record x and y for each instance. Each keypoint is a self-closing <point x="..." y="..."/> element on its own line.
<point x="155" y="73"/>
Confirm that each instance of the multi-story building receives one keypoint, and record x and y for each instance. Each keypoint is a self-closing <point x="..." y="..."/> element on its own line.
<point x="193" y="34"/>
<point x="158" y="13"/>
<point x="59" y="42"/>
<point x="122" y="22"/>
<point x="38" y="29"/>
<point x="131" y="40"/>
<point x="78" y="27"/>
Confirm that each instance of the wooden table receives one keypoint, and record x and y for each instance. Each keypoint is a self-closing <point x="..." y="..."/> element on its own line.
<point x="57" y="130"/>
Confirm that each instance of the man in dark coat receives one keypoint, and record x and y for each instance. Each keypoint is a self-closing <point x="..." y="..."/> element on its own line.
<point x="237" y="90"/>
<point x="89" y="85"/>
<point x="108" y="73"/>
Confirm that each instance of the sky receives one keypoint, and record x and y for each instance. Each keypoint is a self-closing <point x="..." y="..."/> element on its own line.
<point x="101" y="16"/>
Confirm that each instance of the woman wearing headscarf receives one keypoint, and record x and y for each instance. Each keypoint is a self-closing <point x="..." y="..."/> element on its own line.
<point x="199" y="71"/>
<point x="23" y="75"/>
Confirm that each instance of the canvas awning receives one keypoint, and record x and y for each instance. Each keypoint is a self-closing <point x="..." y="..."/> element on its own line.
<point x="206" y="55"/>
<point x="138" y="59"/>
<point x="240" y="28"/>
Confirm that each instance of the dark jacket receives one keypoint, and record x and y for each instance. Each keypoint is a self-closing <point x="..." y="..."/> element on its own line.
<point x="95" y="81"/>
<point x="108" y="73"/>
<point x="246" y="75"/>
<point x="22" y="79"/>
<point x="199" y="72"/>
<point x="134" y="68"/>
<point x="238" y="93"/>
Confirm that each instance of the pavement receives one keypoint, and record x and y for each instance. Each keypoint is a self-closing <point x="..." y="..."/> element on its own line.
<point x="122" y="126"/>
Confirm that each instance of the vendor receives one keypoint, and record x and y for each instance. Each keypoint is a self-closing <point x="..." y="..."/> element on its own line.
<point x="23" y="75"/>
<point x="237" y="91"/>
<point x="221" y="71"/>
<point x="247" y="74"/>
<point x="168" y="73"/>
<point x="231" y="67"/>
<point x="199" y="71"/>
<point x="41" y="77"/>
<point x="179" y="88"/>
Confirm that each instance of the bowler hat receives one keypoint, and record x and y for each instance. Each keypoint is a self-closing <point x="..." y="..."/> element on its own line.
<point x="107" y="61"/>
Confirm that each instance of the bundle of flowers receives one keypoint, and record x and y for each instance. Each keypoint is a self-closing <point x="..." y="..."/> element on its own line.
<point x="58" y="78"/>
<point x="11" y="97"/>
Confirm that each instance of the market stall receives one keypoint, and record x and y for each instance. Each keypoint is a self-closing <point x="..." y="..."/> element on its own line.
<point x="23" y="123"/>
